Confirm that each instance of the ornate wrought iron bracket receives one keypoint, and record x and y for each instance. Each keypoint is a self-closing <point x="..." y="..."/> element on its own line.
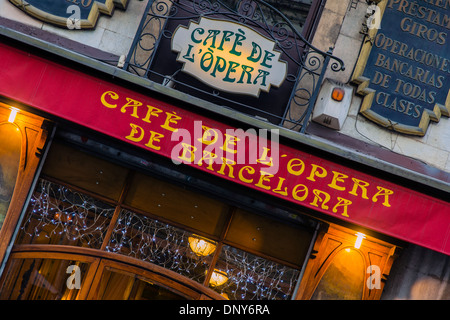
<point x="290" y="105"/>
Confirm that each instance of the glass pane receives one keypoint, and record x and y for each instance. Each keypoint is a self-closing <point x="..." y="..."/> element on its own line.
<point x="344" y="278"/>
<point x="248" y="277"/>
<point x="123" y="286"/>
<point x="42" y="279"/>
<point x="10" y="149"/>
<point x="58" y="215"/>
<point x="150" y="240"/>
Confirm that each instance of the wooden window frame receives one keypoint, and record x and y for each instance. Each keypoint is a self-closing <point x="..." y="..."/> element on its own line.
<point x="99" y="260"/>
<point x="331" y="241"/>
<point x="34" y="131"/>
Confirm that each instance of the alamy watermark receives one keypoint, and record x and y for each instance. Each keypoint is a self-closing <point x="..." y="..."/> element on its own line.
<point x="208" y="146"/>
<point x="374" y="279"/>
<point x="373" y="17"/>
<point x="74" y="21"/>
<point x="74" y="280"/>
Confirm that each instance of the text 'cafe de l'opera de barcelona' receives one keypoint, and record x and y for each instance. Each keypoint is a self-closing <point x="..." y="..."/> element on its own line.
<point x="224" y="150"/>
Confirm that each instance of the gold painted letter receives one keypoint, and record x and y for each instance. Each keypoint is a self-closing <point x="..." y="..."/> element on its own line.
<point x="152" y="111"/>
<point x="188" y="155"/>
<point x="342" y="203"/>
<point x="171" y="118"/>
<point x="317" y="194"/>
<point x="291" y="166"/>
<point x="113" y="96"/>
<point x="154" y="137"/>
<point x="315" y="173"/>
<point x="338" y="177"/>
<point x="385" y="193"/>
<point x="250" y="170"/>
<point x="137" y="133"/>
<point x="131" y="103"/>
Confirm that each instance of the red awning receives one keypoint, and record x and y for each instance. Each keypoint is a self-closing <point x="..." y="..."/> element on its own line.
<point x="213" y="147"/>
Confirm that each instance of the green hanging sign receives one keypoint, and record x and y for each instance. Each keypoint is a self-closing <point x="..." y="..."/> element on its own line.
<point x="229" y="56"/>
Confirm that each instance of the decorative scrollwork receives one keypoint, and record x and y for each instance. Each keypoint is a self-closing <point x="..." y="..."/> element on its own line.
<point x="313" y="63"/>
<point x="337" y="66"/>
<point x="206" y="6"/>
<point x="263" y="17"/>
<point x="164" y="9"/>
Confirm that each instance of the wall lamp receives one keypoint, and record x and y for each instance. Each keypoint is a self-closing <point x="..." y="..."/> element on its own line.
<point x="218" y="278"/>
<point x="359" y="238"/>
<point x="13" y="114"/>
<point x="201" y="246"/>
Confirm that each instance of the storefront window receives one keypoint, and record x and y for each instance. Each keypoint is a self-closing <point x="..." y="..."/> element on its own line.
<point x="344" y="278"/>
<point x="248" y="277"/>
<point x="150" y="240"/>
<point x="143" y="218"/>
<point x="41" y="279"/>
<point x="117" y="285"/>
<point x="59" y="215"/>
<point x="10" y="148"/>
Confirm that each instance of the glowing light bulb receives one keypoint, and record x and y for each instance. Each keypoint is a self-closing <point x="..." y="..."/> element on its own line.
<point x="218" y="278"/>
<point x="201" y="246"/>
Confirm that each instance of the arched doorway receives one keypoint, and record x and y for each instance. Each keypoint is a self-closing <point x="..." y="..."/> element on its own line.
<point x="43" y="272"/>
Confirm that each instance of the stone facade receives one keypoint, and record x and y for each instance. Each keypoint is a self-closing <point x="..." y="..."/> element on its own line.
<point x="112" y="34"/>
<point x="345" y="19"/>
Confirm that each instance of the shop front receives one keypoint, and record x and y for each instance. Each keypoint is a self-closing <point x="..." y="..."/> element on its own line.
<point x="94" y="228"/>
<point x="110" y="192"/>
